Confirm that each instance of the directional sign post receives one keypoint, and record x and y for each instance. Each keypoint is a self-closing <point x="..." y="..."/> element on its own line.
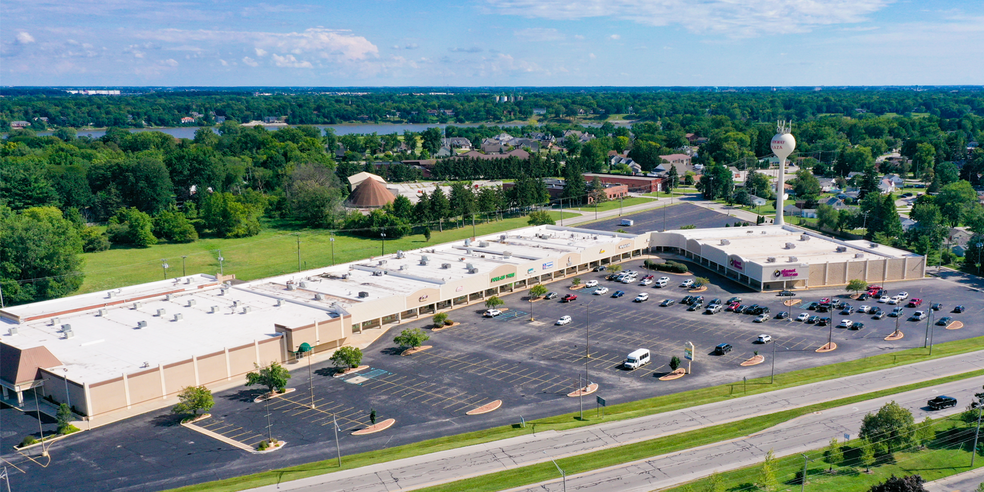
<point x="688" y="353"/>
<point x="601" y="405"/>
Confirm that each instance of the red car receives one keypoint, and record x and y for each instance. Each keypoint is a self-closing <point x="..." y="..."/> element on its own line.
<point x="569" y="298"/>
<point x="732" y="306"/>
<point x="825" y="300"/>
<point x="915" y="302"/>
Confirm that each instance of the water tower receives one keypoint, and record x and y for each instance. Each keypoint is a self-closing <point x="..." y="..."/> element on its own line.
<point x="783" y="144"/>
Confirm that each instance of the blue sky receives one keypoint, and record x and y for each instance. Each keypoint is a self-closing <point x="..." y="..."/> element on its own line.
<point x="492" y="42"/>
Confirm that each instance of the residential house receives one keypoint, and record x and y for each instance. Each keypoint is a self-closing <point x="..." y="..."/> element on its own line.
<point x="758" y="201"/>
<point x="444" y="152"/>
<point x="907" y="223"/>
<point x="835" y="202"/>
<point x="187" y="120"/>
<point x="518" y="153"/>
<point x="540" y="111"/>
<point x="456" y="143"/>
<point x="886" y="186"/>
<point x="19" y="125"/>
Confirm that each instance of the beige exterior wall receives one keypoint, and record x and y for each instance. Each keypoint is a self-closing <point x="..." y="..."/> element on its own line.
<point x="855" y="270"/>
<point x="54" y="385"/>
<point x="241" y="359"/>
<point x="816" y="274"/>
<point x="895" y="269"/>
<point x="876" y="271"/>
<point x="916" y="267"/>
<point x="836" y="274"/>
<point x="144" y="386"/>
<point x="178" y="376"/>
<point x="212" y="368"/>
<point x="270" y="351"/>
<point x="107" y="396"/>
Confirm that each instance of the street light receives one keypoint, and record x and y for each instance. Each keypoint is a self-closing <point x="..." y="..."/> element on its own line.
<point x="183" y="257"/>
<point x="332" y="240"/>
<point x="165" y="266"/>
<point x="562" y="474"/>
<point x="221" y="259"/>
<point x="382" y="249"/>
<point x="305" y="348"/>
<point x="68" y="396"/>
<point x="979" y="246"/>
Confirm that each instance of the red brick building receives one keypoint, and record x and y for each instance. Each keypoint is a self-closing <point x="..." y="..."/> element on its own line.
<point x="637" y="184"/>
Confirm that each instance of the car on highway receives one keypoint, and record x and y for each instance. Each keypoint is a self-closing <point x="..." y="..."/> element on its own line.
<point x="918" y="316"/>
<point x="941" y="402"/>
<point x="569" y="298"/>
<point x="803" y="317"/>
<point x="762" y="318"/>
<point x="722" y="349"/>
<point x="687" y="283"/>
<point x="944" y="321"/>
<point x="914" y="302"/>
<point x="550" y="295"/>
<point x="763" y="338"/>
<point x="591" y="283"/>
<point x="813" y="319"/>
<point x="563" y="320"/>
<point x="857" y="325"/>
<point x="491" y="313"/>
<point x="641" y="297"/>
<point x="937" y="306"/>
<point x="959" y="309"/>
<point x="618" y="293"/>
<point x="845" y="323"/>
<point x="782" y="315"/>
<point x="667" y="302"/>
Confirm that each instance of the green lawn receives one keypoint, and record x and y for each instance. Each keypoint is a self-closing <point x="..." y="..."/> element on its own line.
<point x="615" y="412"/>
<point x="612" y="205"/>
<point x="272" y="252"/>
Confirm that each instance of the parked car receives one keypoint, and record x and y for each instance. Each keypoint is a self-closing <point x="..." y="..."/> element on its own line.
<point x="857" y="325"/>
<point x="812" y="319"/>
<point x="896" y="312"/>
<point x="813" y="305"/>
<point x="667" y="302"/>
<point x="762" y="318"/>
<point x="713" y="308"/>
<point x="786" y="293"/>
<point x="695" y="306"/>
<point x="959" y="309"/>
<point x="663" y="279"/>
<point x="782" y="315"/>
<point x="732" y="306"/>
<point x="864" y="309"/>
<point x="823" y="321"/>
<point x="842" y="305"/>
<point x="491" y="313"/>
<point x="847" y="309"/>
<point x="941" y="402"/>
<point x="902" y="295"/>
<point x="918" y="316"/>
<point x="687" y="300"/>
<point x="646" y="281"/>
<point x="739" y="308"/>
<point x="895" y="300"/>
<point x="845" y="323"/>
<point x="884" y="299"/>
<point x="600" y="268"/>
<point x="763" y="338"/>
<point x="618" y="293"/>
<point x="687" y="283"/>
<point x="591" y="283"/>
<point x="914" y="302"/>
<point x="825" y="300"/>
<point x="550" y="295"/>
<point x="734" y="300"/>
<point x="823" y="308"/>
<point x="863" y="296"/>
<point x="937" y="306"/>
<point x="879" y="314"/>
<point x="641" y="297"/>
<point x="722" y="349"/>
<point x="569" y="298"/>
<point x="563" y="320"/>
<point x="601" y="290"/>
<point x="803" y="317"/>
<point x="944" y="321"/>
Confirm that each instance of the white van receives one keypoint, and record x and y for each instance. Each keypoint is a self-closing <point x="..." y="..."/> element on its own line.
<point x="662" y="283"/>
<point x="637" y="359"/>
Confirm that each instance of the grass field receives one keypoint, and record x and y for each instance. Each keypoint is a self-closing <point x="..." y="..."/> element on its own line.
<point x="615" y="412"/>
<point x="611" y="205"/>
<point x="272" y="252"/>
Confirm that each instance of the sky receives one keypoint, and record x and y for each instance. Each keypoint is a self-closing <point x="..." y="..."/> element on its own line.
<point x="488" y="43"/>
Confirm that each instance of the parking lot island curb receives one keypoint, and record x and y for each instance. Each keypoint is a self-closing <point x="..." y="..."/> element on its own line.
<point x="827" y="347"/>
<point x="591" y="388"/>
<point x="414" y="350"/>
<point x="372" y="429"/>
<point x="488" y="407"/>
<point x="754" y="361"/>
<point x="956" y="325"/>
<point x="893" y="337"/>
<point x="351" y="370"/>
<point x="445" y="327"/>
<point x="677" y="374"/>
<point x="267" y="396"/>
<point x="791" y="302"/>
<point x="219" y="437"/>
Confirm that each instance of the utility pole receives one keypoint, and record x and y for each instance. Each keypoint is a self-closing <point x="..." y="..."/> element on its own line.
<point x="772" y="379"/>
<point x="476" y="234"/>
<point x="332" y="240"/>
<point x="805" y="461"/>
<point x="298" y="251"/>
<point x="338" y="451"/>
<point x="183" y="257"/>
<point x="221" y="259"/>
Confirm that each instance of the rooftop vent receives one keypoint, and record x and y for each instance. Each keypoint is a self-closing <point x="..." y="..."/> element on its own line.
<point x="168" y="297"/>
<point x="291" y="286"/>
<point x="145" y="365"/>
<point x="771" y="259"/>
<point x="161" y="313"/>
<point x="137" y="305"/>
<point x="859" y="255"/>
<point x="841" y="249"/>
<point x="725" y="242"/>
<point x="874" y="245"/>
<point x="141" y="324"/>
<point x="400" y="254"/>
<point x="280" y="302"/>
<point x="178" y="316"/>
<point x="111" y="294"/>
<point x="319" y="297"/>
<point x="445" y="265"/>
<point x="749" y="232"/>
<point x="13" y="331"/>
<point x="303" y="285"/>
<point x="424" y="259"/>
<point x="363" y="294"/>
<point x="102" y="312"/>
<point x="191" y="302"/>
<point x="213" y="309"/>
<point x="247" y="309"/>
<point x="483" y="244"/>
<point x="403" y="267"/>
<point x="790" y="246"/>
<point x="507" y="254"/>
<point x="54" y="321"/>
<point x="69" y="334"/>
<point x="235" y="303"/>
<point x="66" y="328"/>
<point x="793" y="259"/>
<point x="502" y="237"/>
<point x="377" y="273"/>
<point x="467" y="242"/>
<point x="804" y="237"/>
<point x="382" y="262"/>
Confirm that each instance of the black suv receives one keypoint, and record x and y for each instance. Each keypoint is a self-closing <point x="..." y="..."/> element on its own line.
<point x="722" y="349"/>
<point x="813" y="305"/>
<point x="787" y="293"/>
<point x="941" y="402"/>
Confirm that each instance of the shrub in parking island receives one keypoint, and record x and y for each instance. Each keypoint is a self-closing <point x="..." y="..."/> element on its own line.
<point x="671" y="266"/>
<point x="439" y="319"/>
<point x="411" y="338"/>
<point x="701" y="281"/>
<point x="28" y="440"/>
<point x="348" y="357"/>
<point x="674" y="363"/>
<point x="537" y="291"/>
<point x="194" y="399"/>
<point x="576" y="281"/>
<point x="494" y="302"/>
<point x="856" y="285"/>
<point x="274" y="377"/>
<point x="615" y="268"/>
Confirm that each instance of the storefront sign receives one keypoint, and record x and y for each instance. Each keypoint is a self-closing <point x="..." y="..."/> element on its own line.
<point x="785" y="273"/>
<point x="548" y="265"/>
<point x="422" y="298"/>
<point x="503" y="277"/>
<point x="623" y="246"/>
<point x="460" y="288"/>
<point x="737" y="264"/>
<point x="529" y="271"/>
<point x="601" y="252"/>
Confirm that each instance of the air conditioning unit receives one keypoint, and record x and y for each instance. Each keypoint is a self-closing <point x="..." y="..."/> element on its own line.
<point x="102" y="313"/>
<point x="111" y="295"/>
<point x="502" y="237"/>
<point x="424" y="260"/>
<point x="13" y="331"/>
<point x="303" y="285"/>
<point x="382" y="262"/>
<point x="280" y="302"/>
<point x="403" y="267"/>
<point x="291" y="286"/>
<point x="749" y="232"/>
<point x="483" y="244"/>
<point x="69" y="334"/>
<point x="400" y="254"/>
<point x="161" y="313"/>
<point x="790" y="246"/>
<point x="841" y="249"/>
<point x="65" y="328"/>
<point x="247" y="309"/>
<point x="191" y="302"/>
<point x="235" y="303"/>
<point x="859" y="255"/>
<point x="363" y="294"/>
<point x="507" y="254"/>
<point x="804" y="237"/>
<point x="213" y="309"/>
<point x="771" y="259"/>
<point x="137" y="305"/>
<point x="319" y="297"/>
<point x="793" y="259"/>
<point x="725" y="242"/>
<point x="54" y="321"/>
<point x="168" y="297"/>
<point x="178" y="317"/>
<point x="145" y="365"/>
<point x="874" y="245"/>
<point x="141" y="324"/>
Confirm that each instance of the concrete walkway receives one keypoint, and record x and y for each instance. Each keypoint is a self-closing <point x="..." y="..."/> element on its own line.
<point x="961" y="482"/>
<point x="432" y="469"/>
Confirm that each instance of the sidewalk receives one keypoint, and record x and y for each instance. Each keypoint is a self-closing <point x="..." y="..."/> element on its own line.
<point x="447" y="466"/>
<point x="961" y="482"/>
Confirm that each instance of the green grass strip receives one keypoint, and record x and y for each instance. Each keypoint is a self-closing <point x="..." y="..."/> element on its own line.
<point x="620" y="411"/>
<point x="581" y="463"/>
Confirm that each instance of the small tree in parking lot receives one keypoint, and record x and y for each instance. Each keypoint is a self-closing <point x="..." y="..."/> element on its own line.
<point x="347" y="357"/>
<point x="701" y="281"/>
<point x="856" y="285"/>
<point x="439" y="319"/>
<point x="537" y="290"/>
<point x="615" y="268"/>
<point x="494" y="302"/>
<point x="274" y="377"/>
<point x="576" y="281"/>
<point x="674" y="363"/>
<point x="194" y="399"/>
<point x="411" y="338"/>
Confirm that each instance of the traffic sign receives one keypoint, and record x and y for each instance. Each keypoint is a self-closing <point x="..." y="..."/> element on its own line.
<point x="601" y="401"/>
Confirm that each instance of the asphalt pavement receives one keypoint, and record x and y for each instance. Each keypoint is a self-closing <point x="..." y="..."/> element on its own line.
<point x="427" y="470"/>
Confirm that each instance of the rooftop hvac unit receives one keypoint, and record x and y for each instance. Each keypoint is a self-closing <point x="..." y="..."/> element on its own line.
<point x="13" y="331"/>
<point x="141" y="324"/>
<point x="188" y="280"/>
<point x="213" y="309"/>
<point x="467" y="242"/>
<point x="377" y="273"/>
<point x="771" y="259"/>
<point x="382" y="262"/>
<point x="235" y="303"/>
<point x="191" y="302"/>
<point x="247" y="309"/>
<point x="483" y="244"/>
<point x="345" y="276"/>
<point x="793" y="259"/>
<point x="69" y="334"/>
<point x="303" y="285"/>
<point x="507" y="254"/>
<point x="280" y="302"/>
<point x="403" y="267"/>
<point x="222" y="291"/>
<point x="168" y="297"/>
<point x="502" y="237"/>
<point x="749" y="232"/>
<point x="763" y="232"/>
<point x="363" y="294"/>
<point x="874" y="245"/>
<point x="178" y="316"/>
<point x="725" y="242"/>
<point x="54" y="321"/>
<point x="65" y="328"/>
<point x="859" y="255"/>
<point x="400" y="254"/>
<point x="790" y="246"/>
<point x="424" y="259"/>
<point x="319" y="297"/>
<point x="145" y="365"/>
<point x="804" y="237"/>
<point x="841" y="249"/>
<point x="111" y="294"/>
<point x="137" y="305"/>
<point x="102" y="313"/>
<point x="161" y="313"/>
<point x="291" y="286"/>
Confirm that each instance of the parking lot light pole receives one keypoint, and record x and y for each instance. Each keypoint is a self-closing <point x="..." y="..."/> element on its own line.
<point x="221" y="260"/>
<point x="932" y="328"/>
<point x="68" y="396"/>
<point x="772" y="379"/>
<point x="382" y="248"/>
<point x="165" y="266"/>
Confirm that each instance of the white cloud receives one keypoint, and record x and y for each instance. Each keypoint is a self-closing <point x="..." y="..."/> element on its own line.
<point x="592" y="56"/>
<point x="24" y="37"/>
<point x="251" y="62"/>
<point x="171" y="62"/>
<point x="260" y="52"/>
<point x="325" y="43"/>
<point x="411" y="46"/>
<point x="290" y="62"/>
<point x="579" y="37"/>
<point x="223" y="62"/>
<point x="539" y="34"/>
<point x="614" y="37"/>
<point x="473" y="49"/>
<point x="733" y="18"/>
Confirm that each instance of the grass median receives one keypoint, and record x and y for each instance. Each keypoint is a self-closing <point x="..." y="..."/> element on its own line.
<point x="623" y="411"/>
